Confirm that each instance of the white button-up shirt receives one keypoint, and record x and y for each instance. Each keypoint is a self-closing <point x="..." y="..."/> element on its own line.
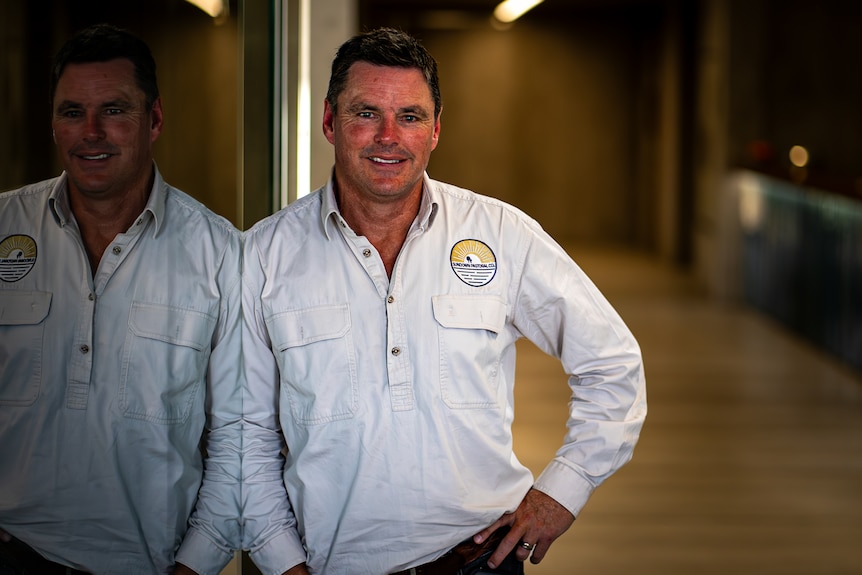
<point x="395" y="396"/>
<point x="109" y="380"/>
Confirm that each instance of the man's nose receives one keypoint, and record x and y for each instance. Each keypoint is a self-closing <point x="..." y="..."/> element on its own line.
<point x="93" y="128"/>
<point x="387" y="131"/>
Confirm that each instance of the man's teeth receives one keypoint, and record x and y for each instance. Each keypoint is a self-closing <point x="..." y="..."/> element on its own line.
<point x="382" y="161"/>
<point x="97" y="157"/>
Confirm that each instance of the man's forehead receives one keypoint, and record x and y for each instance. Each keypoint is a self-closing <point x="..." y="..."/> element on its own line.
<point x="366" y="66"/>
<point x="117" y="76"/>
<point x="365" y="77"/>
<point x="115" y="65"/>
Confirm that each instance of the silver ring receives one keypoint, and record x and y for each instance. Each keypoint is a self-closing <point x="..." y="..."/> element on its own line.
<point x="527" y="546"/>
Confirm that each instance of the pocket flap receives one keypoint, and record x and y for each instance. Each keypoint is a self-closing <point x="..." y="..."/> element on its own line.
<point x="24" y="307"/>
<point x="175" y="325"/>
<point x="300" y="327"/>
<point x="470" y="312"/>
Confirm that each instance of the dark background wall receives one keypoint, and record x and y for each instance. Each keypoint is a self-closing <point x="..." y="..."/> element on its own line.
<point x="607" y="120"/>
<point x="197" y="70"/>
<point x="617" y="120"/>
<point x="548" y="114"/>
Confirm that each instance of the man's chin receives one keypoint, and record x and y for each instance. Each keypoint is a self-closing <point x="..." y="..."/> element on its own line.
<point x="89" y="185"/>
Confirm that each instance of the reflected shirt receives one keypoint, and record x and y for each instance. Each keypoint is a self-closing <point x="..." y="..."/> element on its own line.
<point x="110" y="384"/>
<point x="395" y="397"/>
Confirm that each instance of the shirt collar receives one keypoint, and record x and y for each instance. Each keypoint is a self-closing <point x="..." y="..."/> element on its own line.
<point x="157" y="201"/>
<point x="58" y="201"/>
<point x="329" y="206"/>
<point x="428" y="204"/>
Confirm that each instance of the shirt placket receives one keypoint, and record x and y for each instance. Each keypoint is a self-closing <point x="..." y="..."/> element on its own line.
<point x="401" y="389"/>
<point x="398" y="371"/>
<point x="81" y="368"/>
<point x="401" y="394"/>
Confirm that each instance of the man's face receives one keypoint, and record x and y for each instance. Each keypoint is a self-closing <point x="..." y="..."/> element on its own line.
<point x="103" y="129"/>
<point x="383" y="133"/>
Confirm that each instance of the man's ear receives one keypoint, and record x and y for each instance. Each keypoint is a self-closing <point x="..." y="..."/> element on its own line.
<point x="436" y="136"/>
<point x="328" y="122"/>
<point x="156" y="119"/>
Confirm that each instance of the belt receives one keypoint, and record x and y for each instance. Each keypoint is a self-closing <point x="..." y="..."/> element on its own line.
<point x="24" y="560"/>
<point x="465" y="552"/>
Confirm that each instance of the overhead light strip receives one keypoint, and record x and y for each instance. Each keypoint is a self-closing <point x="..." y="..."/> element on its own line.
<point x="511" y="10"/>
<point x="212" y="7"/>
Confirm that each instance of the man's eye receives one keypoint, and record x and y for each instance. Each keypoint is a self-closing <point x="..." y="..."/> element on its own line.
<point x="113" y="111"/>
<point x="70" y="113"/>
<point x="409" y="118"/>
<point x="366" y="115"/>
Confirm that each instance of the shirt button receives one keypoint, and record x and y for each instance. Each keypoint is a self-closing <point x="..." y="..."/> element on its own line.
<point x="139" y="222"/>
<point x="85" y="349"/>
<point x="366" y="252"/>
<point x="396" y="350"/>
<point x="91" y="296"/>
<point x="117" y="250"/>
<point x="390" y="299"/>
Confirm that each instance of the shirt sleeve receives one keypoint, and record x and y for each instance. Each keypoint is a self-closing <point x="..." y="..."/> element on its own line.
<point x="269" y="525"/>
<point x="214" y="528"/>
<point x="560" y="310"/>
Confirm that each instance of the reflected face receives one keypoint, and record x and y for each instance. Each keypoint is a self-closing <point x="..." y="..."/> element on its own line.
<point x="383" y="131"/>
<point x="103" y="129"/>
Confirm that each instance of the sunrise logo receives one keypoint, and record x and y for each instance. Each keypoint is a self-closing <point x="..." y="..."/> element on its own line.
<point x="17" y="257"/>
<point x="473" y="262"/>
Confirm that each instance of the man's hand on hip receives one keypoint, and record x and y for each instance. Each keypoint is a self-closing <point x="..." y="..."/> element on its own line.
<point x="539" y="520"/>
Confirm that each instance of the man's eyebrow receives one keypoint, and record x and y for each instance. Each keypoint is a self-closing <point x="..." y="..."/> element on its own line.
<point x="359" y="106"/>
<point x="66" y="104"/>
<point x="115" y="103"/>
<point x="415" y="109"/>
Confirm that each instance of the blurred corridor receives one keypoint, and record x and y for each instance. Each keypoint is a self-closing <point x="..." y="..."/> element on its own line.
<point x="609" y="121"/>
<point x="750" y="461"/>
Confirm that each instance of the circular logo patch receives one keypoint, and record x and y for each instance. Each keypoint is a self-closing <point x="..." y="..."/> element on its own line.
<point x="17" y="257"/>
<point x="473" y="262"/>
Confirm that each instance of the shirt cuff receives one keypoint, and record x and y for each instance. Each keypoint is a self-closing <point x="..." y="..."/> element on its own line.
<point x="565" y="485"/>
<point x="200" y="554"/>
<point x="279" y="554"/>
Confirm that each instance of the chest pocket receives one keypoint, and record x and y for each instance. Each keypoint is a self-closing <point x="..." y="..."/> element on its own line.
<point x="316" y="361"/>
<point x="164" y="363"/>
<point x="22" y="327"/>
<point x="469" y="331"/>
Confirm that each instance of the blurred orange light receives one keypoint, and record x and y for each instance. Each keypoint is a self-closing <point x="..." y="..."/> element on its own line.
<point x="799" y="156"/>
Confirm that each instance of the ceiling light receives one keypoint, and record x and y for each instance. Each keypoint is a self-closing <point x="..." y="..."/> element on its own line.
<point x="212" y="7"/>
<point x="511" y="10"/>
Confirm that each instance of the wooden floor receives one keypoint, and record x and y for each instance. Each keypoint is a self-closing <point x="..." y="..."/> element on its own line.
<point x="750" y="461"/>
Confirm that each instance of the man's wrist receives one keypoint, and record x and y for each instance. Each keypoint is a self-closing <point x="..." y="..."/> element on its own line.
<point x="300" y="569"/>
<point x="180" y="569"/>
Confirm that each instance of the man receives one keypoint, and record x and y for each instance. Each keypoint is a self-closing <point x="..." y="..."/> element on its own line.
<point x="119" y="341"/>
<point x="380" y="320"/>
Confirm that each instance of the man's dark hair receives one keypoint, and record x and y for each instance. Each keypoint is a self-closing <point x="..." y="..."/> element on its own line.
<point x="383" y="47"/>
<point x="102" y="43"/>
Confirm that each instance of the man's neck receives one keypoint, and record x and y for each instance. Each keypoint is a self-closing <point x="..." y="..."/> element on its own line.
<point x="100" y="220"/>
<point x="385" y="225"/>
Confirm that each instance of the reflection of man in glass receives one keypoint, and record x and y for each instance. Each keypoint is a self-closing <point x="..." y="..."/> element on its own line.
<point x="380" y="321"/>
<point x="119" y="342"/>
